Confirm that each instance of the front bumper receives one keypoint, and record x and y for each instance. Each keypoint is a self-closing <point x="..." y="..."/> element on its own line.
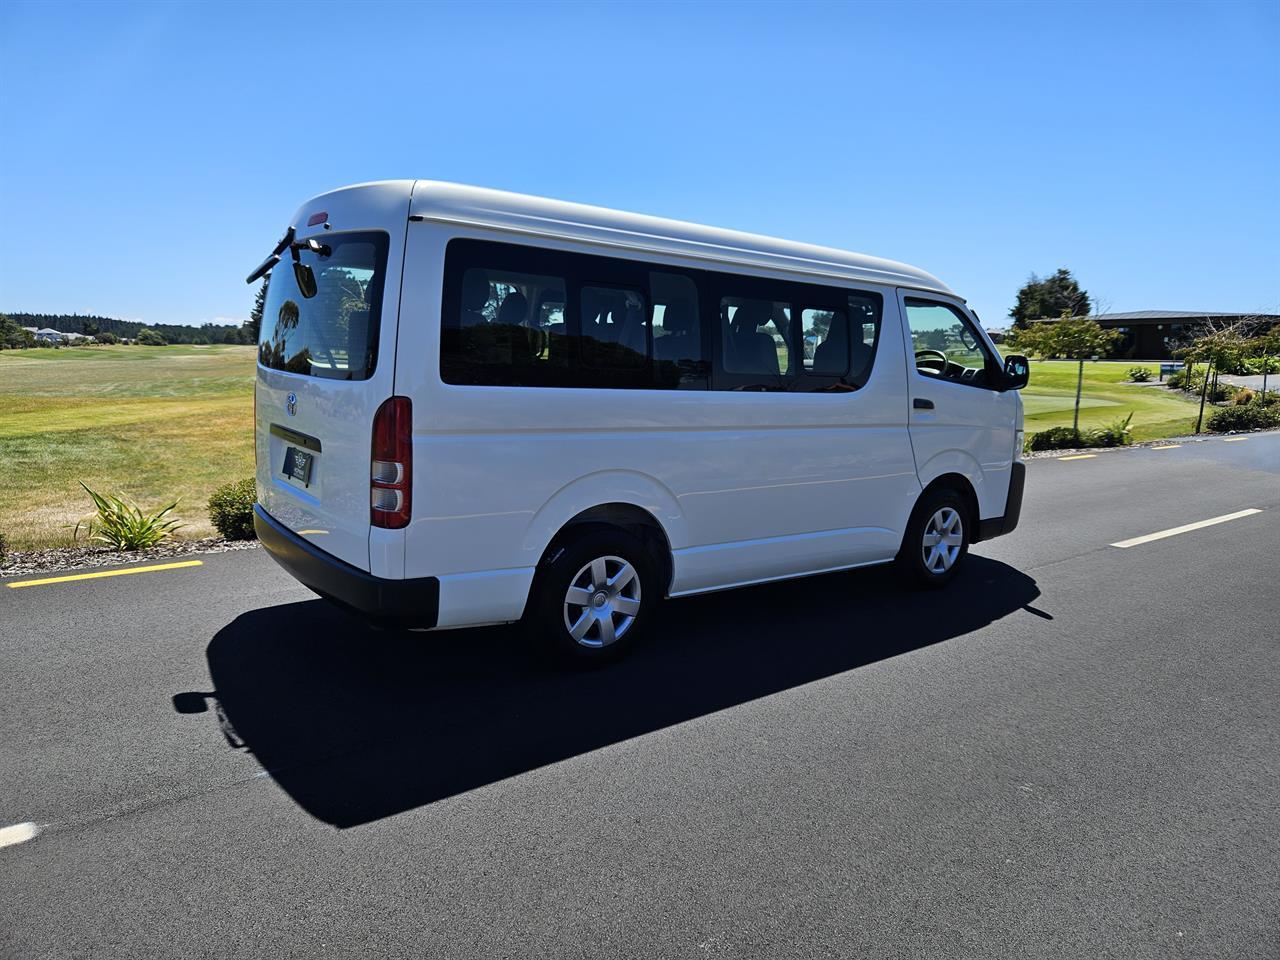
<point x="402" y="603"/>
<point x="999" y="526"/>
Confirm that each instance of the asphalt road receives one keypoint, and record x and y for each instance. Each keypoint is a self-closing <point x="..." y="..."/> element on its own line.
<point x="1073" y="751"/>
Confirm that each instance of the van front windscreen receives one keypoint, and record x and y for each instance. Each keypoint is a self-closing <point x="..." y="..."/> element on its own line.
<point x="322" y="310"/>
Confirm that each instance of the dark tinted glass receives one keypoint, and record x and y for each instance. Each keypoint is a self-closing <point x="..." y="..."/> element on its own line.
<point x="333" y="333"/>
<point x="523" y="316"/>
<point x="527" y="316"/>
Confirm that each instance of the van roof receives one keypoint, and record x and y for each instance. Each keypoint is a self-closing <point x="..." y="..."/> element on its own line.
<point x="538" y="216"/>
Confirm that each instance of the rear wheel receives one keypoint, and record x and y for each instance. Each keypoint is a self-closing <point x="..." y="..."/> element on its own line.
<point x="937" y="538"/>
<point x="594" y="597"/>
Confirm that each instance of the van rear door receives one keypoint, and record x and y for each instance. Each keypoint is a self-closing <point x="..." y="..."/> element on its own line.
<point x="326" y="359"/>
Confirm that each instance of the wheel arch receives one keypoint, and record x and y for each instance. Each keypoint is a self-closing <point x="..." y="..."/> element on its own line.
<point x="961" y="485"/>
<point x="629" y="500"/>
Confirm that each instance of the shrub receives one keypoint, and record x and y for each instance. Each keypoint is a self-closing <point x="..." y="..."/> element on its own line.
<point x="105" y="337"/>
<point x="1260" y="365"/>
<point x="1249" y="416"/>
<point x="122" y="524"/>
<point x="1178" y="380"/>
<point x="231" y="509"/>
<point x="1242" y="396"/>
<point x="4" y="548"/>
<point x="1055" y="438"/>
<point x="1140" y="374"/>
<point x="1114" y="434"/>
<point x="149" y="338"/>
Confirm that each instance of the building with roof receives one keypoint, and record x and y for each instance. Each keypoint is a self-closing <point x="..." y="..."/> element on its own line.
<point x="1155" y="334"/>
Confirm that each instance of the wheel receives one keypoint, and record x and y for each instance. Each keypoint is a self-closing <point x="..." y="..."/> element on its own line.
<point x="937" y="538"/>
<point x="594" y="597"/>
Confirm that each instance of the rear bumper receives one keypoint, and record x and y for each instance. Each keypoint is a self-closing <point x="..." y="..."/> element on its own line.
<point x="999" y="526"/>
<point x="403" y="603"/>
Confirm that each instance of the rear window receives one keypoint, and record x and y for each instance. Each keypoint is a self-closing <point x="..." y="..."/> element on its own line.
<point x="334" y="333"/>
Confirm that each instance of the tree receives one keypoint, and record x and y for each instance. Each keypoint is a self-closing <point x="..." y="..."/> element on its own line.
<point x="1266" y="346"/>
<point x="1044" y="297"/>
<point x="1219" y="345"/>
<point x="1070" y="337"/>
<point x="255" y="315"/>
<point x="149" y="338"/>
<point x="12" y="336"/>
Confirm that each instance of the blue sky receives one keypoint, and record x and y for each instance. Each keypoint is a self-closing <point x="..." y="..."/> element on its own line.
<point x="152" y="153"/>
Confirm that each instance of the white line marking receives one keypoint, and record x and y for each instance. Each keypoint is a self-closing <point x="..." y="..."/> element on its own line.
<point x="18" y="833"/>
<point x="1233" y="439"/>
<point x="1168" y="446"/>
<point x="1186" y="528"/>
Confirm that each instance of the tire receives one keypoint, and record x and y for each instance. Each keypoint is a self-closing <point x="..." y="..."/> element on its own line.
<point x="930" y="553"/>
<point x="593" y="562"/>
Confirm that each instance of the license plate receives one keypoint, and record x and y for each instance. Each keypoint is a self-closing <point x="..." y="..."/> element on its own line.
<point x="297" y="465"/>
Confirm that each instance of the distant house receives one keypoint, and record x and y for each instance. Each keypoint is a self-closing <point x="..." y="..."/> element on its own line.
<point x="50" y="335"/>
<point x="1155" y="334"/>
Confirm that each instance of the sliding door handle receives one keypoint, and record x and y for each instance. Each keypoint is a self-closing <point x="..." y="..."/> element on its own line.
<point x="920" y="403"/>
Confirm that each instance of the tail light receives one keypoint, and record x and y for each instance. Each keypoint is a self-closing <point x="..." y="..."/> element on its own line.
<point x="391" y="469"/>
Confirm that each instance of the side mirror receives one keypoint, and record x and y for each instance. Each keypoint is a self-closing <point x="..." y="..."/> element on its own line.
<point x="1017" y="370"/>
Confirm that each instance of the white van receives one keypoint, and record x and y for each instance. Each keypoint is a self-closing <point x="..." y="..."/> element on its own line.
<point x="475" y="407"/>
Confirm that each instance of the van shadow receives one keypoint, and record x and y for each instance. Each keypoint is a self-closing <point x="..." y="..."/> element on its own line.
<point x="357" y="724"/>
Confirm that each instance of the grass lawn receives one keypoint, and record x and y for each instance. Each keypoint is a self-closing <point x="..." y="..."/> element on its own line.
<point x="1157" y="411"/>
<point x="155" y="423"/>
<point x="152" y="423"/>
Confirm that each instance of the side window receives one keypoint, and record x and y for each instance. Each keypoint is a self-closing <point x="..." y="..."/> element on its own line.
<point x="754" y="339"/>
<point x="840" y="344"/>
<point x="508" y="328"/>
<point x="946" y="345"/>
<point x="615" y="331"/>
<point x="677" y="333"/>
<point x="864" y="335"/>
<point x="826" y="342"/>
<point x="519" y="316"/>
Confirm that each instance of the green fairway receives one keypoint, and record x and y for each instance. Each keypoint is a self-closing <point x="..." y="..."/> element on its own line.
<point x="152" y="423"/>
<point x="1157" y="411"/>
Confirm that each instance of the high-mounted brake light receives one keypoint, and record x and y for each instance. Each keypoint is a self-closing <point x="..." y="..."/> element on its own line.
<point x="391" y="466"/>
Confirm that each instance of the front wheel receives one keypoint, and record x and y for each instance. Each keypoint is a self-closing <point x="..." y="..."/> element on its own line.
<point x="937" y="538"/>
<point x="595" y="595"/>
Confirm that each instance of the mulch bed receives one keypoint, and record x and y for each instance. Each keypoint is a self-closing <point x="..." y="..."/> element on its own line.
<point x="1189" y="439"/>
<point x="19" y="563"/>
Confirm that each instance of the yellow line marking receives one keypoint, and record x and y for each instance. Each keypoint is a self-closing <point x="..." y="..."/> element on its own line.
<point x="1233" y="439"/>
<point x="1186" y="528"/>
<point x="106" y="573"/>
<point x="1168" y="446"/>
<point x="18" y="833"/>
<point x="1079" y="456"/>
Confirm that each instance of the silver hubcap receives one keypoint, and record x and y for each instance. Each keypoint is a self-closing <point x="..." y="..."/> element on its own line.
<point x="943" y="538"/>
<point x="602" y="602"/>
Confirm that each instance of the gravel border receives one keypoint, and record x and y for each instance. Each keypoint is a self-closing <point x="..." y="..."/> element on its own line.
<point x="20" y="563"/>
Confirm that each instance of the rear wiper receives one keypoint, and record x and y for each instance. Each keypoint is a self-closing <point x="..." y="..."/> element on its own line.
<point x="287" y="242"/>
<point x="265" y="267"/>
